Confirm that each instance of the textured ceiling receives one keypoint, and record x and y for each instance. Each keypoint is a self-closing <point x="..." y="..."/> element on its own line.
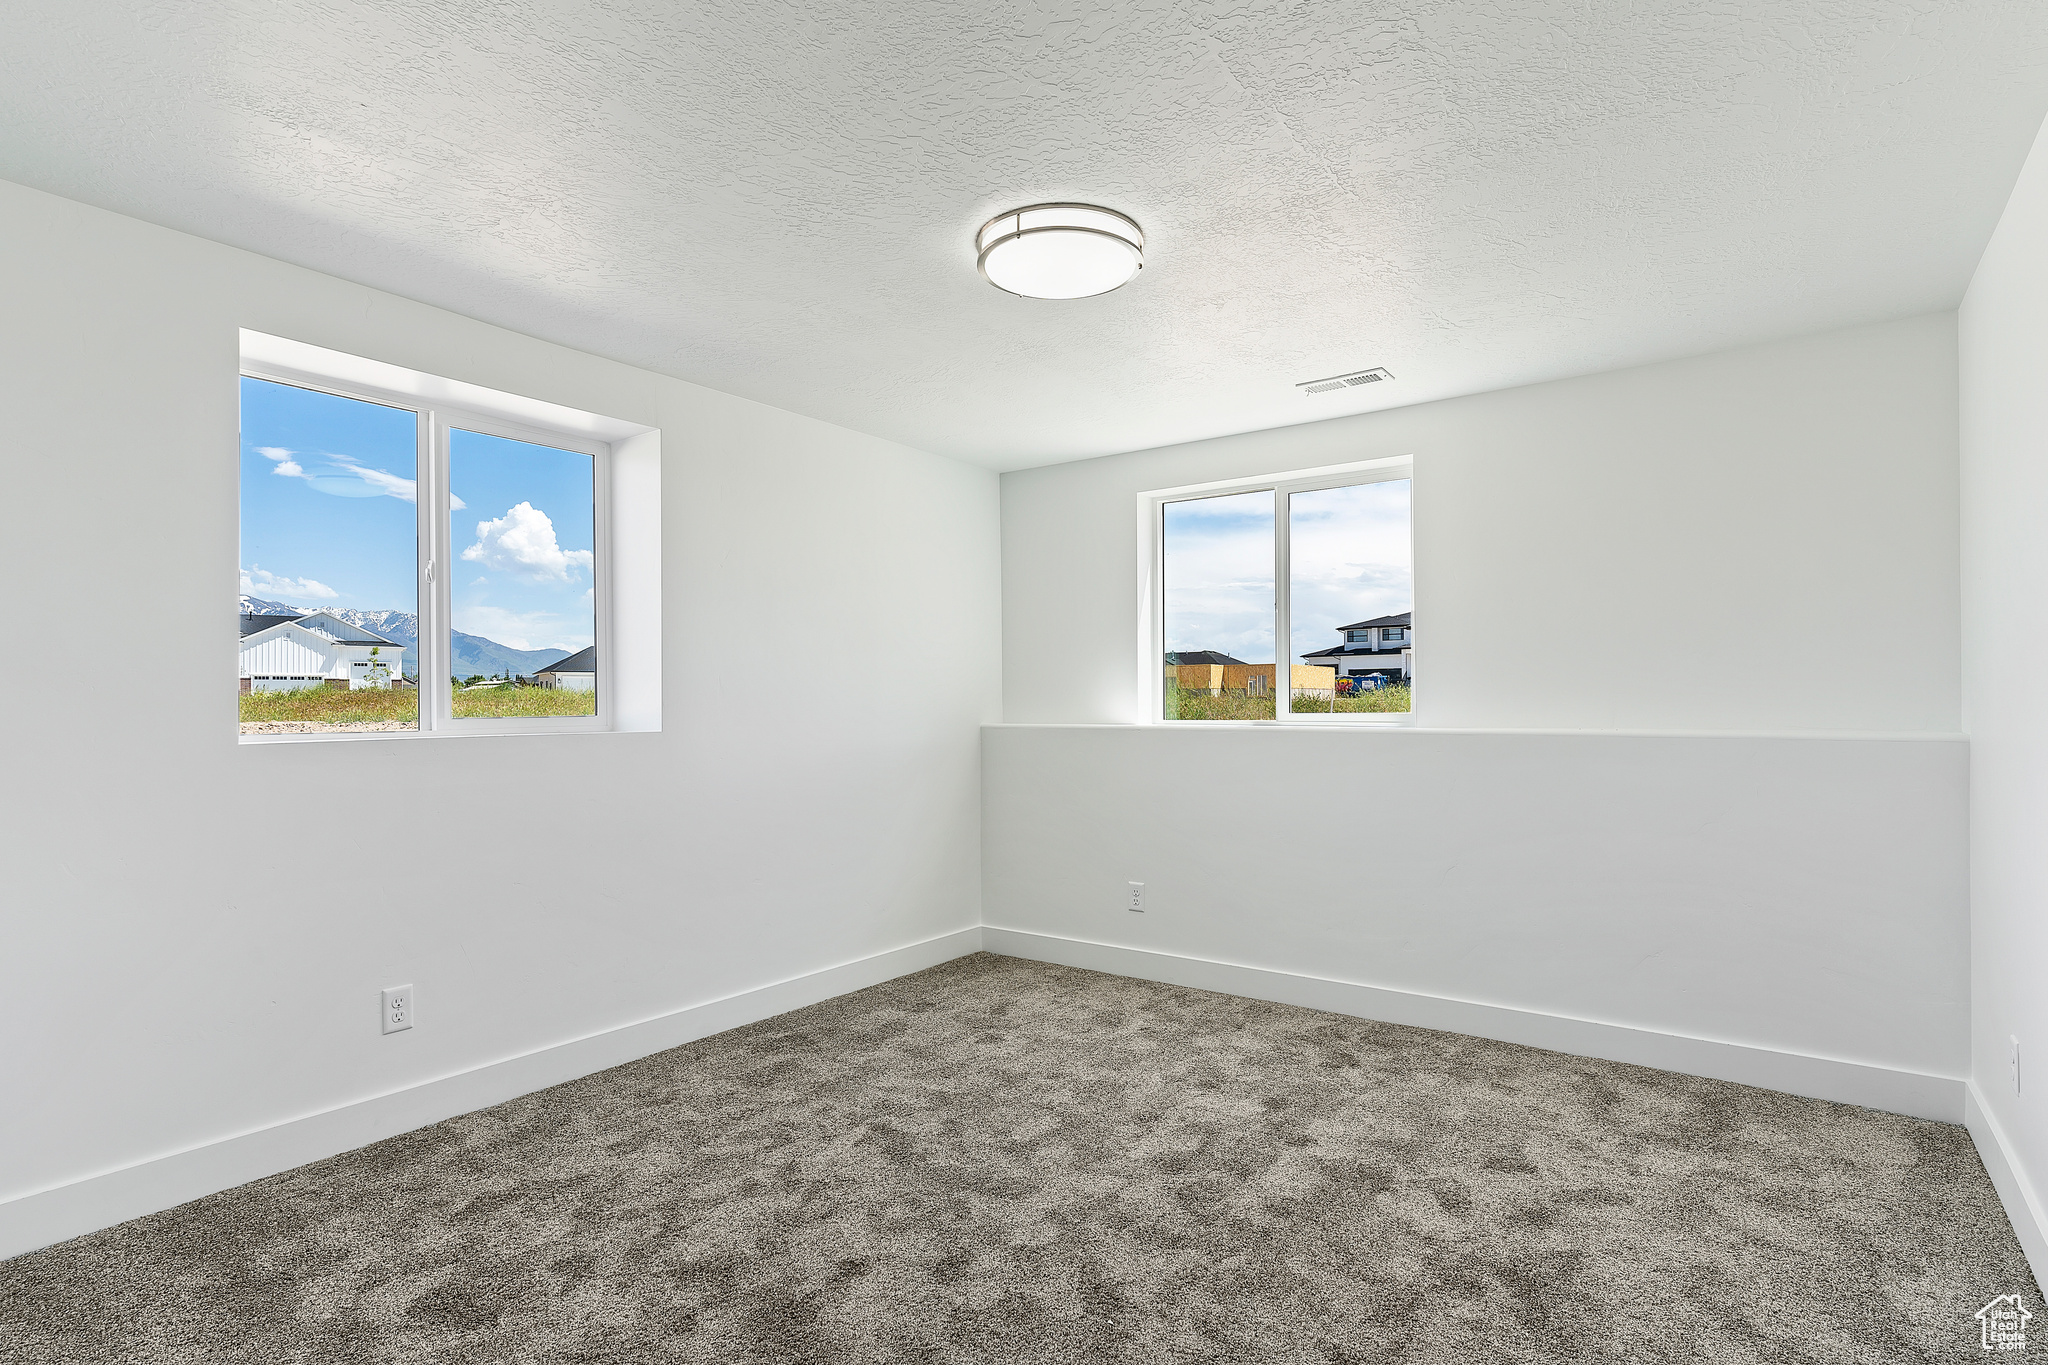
<point x="777" y="199"/>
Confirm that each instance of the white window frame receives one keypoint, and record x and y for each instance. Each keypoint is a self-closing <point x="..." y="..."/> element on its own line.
<point x="1152" y="588"/>
<point x="436" y="554"/>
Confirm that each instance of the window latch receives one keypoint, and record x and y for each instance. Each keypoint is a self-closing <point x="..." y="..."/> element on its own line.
<point x="430" y="571"/>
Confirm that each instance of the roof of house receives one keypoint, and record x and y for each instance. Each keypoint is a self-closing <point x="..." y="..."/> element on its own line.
<point x="582" y="661"/>
<point x="1201" y="656"/>
<point x="1398" y="619"/>
<point x="252" y="624"/>
<point x="256" y="625"/>
<point x="1391" y="651"/>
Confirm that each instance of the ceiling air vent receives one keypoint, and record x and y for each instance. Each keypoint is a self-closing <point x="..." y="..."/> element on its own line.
<point x="1344" y="381"/>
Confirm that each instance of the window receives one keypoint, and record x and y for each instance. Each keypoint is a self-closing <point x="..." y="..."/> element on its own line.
<point x="1270" y="583"/>
<point x="411" y="566"/>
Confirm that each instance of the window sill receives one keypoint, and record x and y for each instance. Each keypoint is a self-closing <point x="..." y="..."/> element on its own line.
<point x="408" y="736"/>
<point x="1909" y="736"/>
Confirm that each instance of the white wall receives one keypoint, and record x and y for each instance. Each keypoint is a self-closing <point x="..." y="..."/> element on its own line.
<point x="2004" y="336"/>
<point x="1801" y="895"/>
<point x="162" y="993"/>
<point x="1758" y="540"/>
<point x="1747" y="546"/>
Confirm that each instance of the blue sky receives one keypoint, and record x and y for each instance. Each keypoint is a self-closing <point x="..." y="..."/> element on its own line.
<point x="1350" y="556"/>
<point x="327" y="499"/>
<point x="525" y="540"/>
<point x="328" y="518"/>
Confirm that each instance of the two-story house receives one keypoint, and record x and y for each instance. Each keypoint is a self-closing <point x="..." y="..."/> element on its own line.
<point x="1381" y="647"/>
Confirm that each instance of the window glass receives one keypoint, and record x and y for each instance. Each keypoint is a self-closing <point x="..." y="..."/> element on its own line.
<point x="1350" y="574"/>
<point x="329" y="556"/>
<point x="522" y="585"/>
<point x="1217" y="607"/>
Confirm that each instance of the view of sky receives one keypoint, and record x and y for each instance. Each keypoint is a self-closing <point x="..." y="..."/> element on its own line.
<point x="328" y="518"/>
<point x="525" y="542"/>
<point x="1219" y="575"/>
<point x="1349" y="561"/>
<point x="327" y="499"/>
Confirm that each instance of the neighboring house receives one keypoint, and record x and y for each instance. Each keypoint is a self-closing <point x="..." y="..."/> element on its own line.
<point x="577" y="673"/>
<point x="285" y="653"/>
<point x="1207" y="670"/>
<point x="1382" y="646"/>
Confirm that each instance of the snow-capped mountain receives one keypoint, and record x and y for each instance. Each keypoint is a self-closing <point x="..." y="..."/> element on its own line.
<point x="401" y="627"/>
<point x="472" y="653"/>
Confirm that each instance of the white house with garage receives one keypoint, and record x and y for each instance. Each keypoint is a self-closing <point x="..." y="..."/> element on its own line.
<point x="577" y="673"/>
<point x="1382" y="647"/>
<point x="284" y="653"/>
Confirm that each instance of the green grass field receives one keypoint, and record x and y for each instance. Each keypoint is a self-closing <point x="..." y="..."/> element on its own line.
<point x="524" y="701"/>
<point x="400" y="705"/>
<point x="1217" y="706"/>
<point x="1238" y="706"/>
<point x="333" y="706"/>
<point x="1395" y="698"/>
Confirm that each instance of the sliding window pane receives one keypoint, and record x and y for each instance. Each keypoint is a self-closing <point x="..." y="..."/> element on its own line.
<point x="330" y="557"/>
<point x="1351" y="597"/>
<point x="523" y="585"/>
<point x="1218" y="607"/>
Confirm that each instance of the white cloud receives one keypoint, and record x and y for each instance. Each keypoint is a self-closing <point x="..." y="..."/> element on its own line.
<point x="522" y="543"/>
<point x="347" y="466"/>
<point x="282" y="458"/>
<point x="258" y="582"/>
<point x="518" y="629"/>
<point x="406" y="490"/>
<point x="1219" y="584"/>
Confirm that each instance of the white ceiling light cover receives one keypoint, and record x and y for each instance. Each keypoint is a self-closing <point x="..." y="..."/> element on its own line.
<point x="1060" y="251"/>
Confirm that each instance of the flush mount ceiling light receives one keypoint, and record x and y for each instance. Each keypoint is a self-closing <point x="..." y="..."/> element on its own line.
<point x="1060" y="251"/>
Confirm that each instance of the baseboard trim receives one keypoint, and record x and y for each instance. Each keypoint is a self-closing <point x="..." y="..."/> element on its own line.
<point x="1874" y="1087"/>
<point x="108" y="1197"/>
<point x="2015" y="1191"/>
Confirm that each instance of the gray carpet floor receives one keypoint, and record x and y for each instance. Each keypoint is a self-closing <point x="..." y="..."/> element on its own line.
<point x="1002" y="1161"/>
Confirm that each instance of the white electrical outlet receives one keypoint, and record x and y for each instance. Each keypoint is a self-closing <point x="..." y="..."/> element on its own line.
<point x="2012" y="1060"/>
<point x="1137" y="900"/>
<point x="397" y="1008"/>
